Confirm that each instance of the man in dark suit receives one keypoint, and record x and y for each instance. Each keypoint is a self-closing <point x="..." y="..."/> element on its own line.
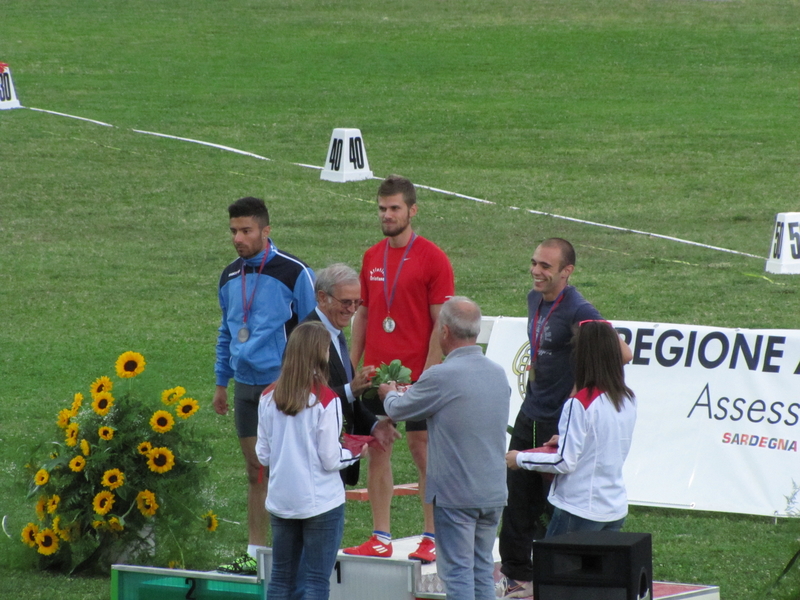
<point x="338" y="294"/>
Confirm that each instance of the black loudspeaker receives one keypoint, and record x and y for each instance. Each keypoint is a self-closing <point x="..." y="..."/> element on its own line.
<point x="593" y="565"/>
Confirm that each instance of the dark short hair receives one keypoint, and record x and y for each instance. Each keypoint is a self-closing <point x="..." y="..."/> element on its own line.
<point x="395" y="184"/>
<point x="567" y="250"/>
<point x="250" y="207"/>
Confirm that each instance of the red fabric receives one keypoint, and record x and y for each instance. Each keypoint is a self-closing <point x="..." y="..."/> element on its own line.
<point x="354" y="442"/>
<point x="426" y="279"/>
<point x="588" y="395"/>
<point x="545" y="449"/>
<point x="326" y="395"/>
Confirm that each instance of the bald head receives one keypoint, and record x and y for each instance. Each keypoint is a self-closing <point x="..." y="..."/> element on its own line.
<point x="459" y="323"/>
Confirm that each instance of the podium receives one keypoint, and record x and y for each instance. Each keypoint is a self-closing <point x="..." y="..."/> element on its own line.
<point x="353" y="578"/>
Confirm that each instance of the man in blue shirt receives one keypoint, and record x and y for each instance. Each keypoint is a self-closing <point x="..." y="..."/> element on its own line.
<point x="263" y="294"/>
<point x="554" y="308"/>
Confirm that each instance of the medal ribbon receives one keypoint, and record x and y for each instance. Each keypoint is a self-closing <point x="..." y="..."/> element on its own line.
<point x="390" y="297"/>
<point x="537" y="331"/>
<point x="245" y="304"/>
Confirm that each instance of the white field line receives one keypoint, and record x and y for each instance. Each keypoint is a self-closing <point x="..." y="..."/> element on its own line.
<point x="52" y="112"/>
<point x="427" y="187"/>
<point x="202" y="143"/>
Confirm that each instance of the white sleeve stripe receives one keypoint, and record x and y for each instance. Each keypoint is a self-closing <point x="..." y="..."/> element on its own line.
<point x="294" y="260"/>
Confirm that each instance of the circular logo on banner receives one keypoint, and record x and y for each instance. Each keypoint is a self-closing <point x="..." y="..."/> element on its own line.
<point x="520" y="365"/>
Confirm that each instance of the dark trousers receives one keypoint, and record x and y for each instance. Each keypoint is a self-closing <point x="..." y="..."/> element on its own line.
<point x="524" y="515"/>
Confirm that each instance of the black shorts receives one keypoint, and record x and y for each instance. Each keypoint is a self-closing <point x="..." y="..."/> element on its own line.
<point x="245" y="408"/>
<point x="376" y="407"/>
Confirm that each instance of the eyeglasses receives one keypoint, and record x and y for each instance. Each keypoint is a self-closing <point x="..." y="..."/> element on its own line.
<point x="348" y="303"/>
<point x="594" y="321"/>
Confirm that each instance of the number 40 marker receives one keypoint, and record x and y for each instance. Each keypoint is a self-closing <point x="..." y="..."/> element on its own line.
<point x="347" y="158"/>
<point x="8" y="96"/>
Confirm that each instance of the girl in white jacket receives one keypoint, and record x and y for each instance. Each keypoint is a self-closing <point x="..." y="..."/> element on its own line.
<point x="594" y="437"/>
<point x="299" y="423"/>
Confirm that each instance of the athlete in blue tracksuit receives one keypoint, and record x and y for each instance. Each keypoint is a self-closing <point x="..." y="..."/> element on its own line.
<point x="284" y="295"/>
<point x="263" y="294"/>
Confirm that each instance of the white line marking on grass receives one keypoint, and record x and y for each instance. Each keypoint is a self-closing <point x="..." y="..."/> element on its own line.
<point x="427" y="187"/>
<point x="52" y="112"/>
<point x="433" y="189"/>
<point x="655" y="235"/>
<point x="584" y="222"/>
<point x="202" y="143"/>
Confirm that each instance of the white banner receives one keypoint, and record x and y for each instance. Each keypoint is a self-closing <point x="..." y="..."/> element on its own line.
<point x="718" y="412"/>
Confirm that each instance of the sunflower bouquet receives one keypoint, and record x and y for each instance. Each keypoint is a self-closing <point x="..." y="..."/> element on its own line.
<point x="122" y="482"/>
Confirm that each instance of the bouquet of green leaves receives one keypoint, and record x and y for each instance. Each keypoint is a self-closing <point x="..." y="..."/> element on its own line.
<point x="121" y="478"/>
<point x="394" y="371"/>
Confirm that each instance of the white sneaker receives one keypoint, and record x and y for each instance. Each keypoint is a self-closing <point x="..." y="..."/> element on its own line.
<point x="511" y="588"/>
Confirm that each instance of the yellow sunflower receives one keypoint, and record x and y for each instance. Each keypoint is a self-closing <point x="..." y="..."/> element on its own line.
<point x="77" y="401"/>
<point x="72" y="435"/>
<point x="98" y="524"/>
<point x="41" y="477"/>
<point x="56" y="526"/>
<point x="174" y="564"/>
<point x="113" y="478"/>
<point x="161" y="421"/>
<point x="171" y="395"/>
<point x="85" y="448"/>
<point x="47" y="541"/>
<point x="160" y="460"/>
<point x="102" y="403"/>
<point x="144" y="448"/>
<point x="64" y="415"/>
<point x="211" y="521"/>
<point x="114" y="524"/>
<point x="106" y="433"/>
<point x="52" y="503"/>
<point x="77" y="464"/>
<point x="187" y="407"/>
<point x="130" y="364"/>
<point x="41" y="506"/>
<point x="146" y="503"/>
<point x="101" y="384"/>
<point x="29" y="534"/>
<point x="103" y="502"/>
<point x="69" y="533"/>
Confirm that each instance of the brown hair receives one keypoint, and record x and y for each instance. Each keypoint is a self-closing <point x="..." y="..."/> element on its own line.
<point x="598" y="361"/>
<point x="305" y="367"/>
<point x="395" y="184"/>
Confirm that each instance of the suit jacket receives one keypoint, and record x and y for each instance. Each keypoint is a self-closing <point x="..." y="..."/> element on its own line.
<point x="357" y="418"/>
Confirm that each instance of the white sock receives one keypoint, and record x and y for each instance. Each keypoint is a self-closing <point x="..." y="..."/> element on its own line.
<point x="251" y="549"/>
<point x="384" y="537"/>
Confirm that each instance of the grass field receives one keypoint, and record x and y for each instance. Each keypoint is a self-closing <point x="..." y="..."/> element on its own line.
<point x="675" y="117"/>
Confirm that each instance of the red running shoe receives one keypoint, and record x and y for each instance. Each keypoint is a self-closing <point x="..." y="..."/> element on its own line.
<point x="372" y="547"/>
<point x="425" y="552"/>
